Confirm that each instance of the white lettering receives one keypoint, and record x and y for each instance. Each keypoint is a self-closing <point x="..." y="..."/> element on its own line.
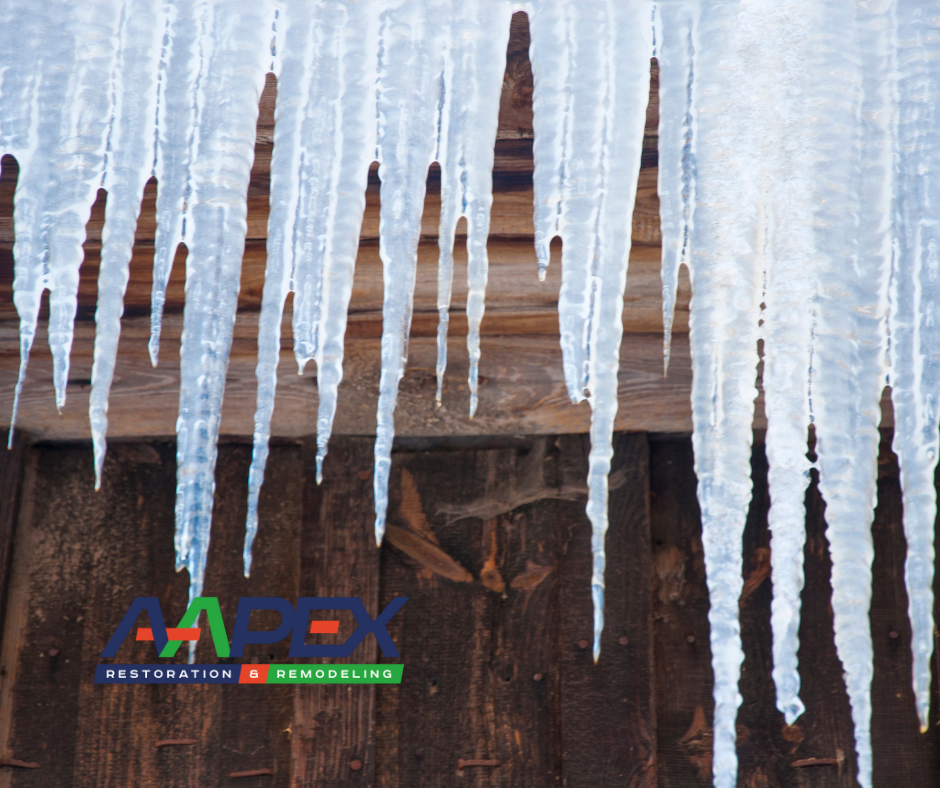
<point x="214" y="674"/>
<point x="121" y="674"/>
<point x="109" y="674"/>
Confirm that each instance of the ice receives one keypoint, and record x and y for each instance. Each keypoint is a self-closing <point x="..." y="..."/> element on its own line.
<point x="235" y="52"/>
<point x="324" y="144"/>
<point x="474" y="62"/>
<point x="58" y="132"/>
<point x="797" y="144"/>
<point x="182" y="69"/>
<point x="915" y="341"/>
<point x="129" y="164"/>
<point x="413" y="38"/>
<point x="725" y="271"/>
<point x="675" y="53"/>
<point x="591" y="174"/>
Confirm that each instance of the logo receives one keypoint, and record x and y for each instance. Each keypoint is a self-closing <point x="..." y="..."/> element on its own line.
<point x="295" y="623"/>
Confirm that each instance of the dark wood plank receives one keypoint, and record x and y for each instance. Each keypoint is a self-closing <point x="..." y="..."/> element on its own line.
<point x="255" y="721"/>
<point x="478" y="541"/>
<point x="333" y="729"/>
<point x="683" y="681"/>
<point x="901" y="754"/>
<point x="608" y="727"/>
<point x="83" y="556"/>
<point x="767" y="746"/>
<point x="825" y="729"/>
<point x="11" y="477"/>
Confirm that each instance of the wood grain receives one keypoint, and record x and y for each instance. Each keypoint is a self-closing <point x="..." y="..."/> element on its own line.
<point x="518" y="306"/>
<point x="333" y="729"/>
<point x="608" y="715"/>
<point x="83" y="556"/>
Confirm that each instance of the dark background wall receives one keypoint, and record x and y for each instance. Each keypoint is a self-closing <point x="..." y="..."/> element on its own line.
<point x="489" y="540"/>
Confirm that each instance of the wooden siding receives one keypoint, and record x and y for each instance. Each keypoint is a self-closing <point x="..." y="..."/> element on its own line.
<point x="488" y="538"/>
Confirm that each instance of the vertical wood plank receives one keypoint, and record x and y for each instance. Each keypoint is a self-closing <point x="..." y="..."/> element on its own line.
<point x="476" y="538"/>
<point x="333" y="731"/>
<point x="86" y="556"/>
<point x="608" y="724"/>
<point x="825" y="728"/>
<point x="684" y="678"/>
<point x="255" y="720"/>
<point x="901" y="753"/>
<point x="11" y="475"/>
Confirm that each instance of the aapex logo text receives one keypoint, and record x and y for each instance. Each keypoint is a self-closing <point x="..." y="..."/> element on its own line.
<point x="295" y="623"/>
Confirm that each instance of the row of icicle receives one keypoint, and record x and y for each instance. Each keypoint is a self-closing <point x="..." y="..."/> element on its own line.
<point x="799" y="179"/>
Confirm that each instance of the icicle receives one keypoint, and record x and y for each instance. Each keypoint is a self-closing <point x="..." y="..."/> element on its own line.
<point x="236" y="53"/>
<point x="129" y="165"/>
<point x="411" y="53"/>
<point x="183" y="63"/>
<point x="855" y="113"/>
<point x="915" y="341"/>
<point x="727" y="109"/>
<point x="70" y="107"/>
<point x="606" y="48"/>
<point x="785" y="227"/>
<point x="474" y="63"/>
<point x="675" y="54"/>
<point x="324" y="144"/>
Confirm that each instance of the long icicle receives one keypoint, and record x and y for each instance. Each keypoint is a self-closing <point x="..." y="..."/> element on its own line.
<point x="725" y="258"/>
<point x="182" y="70"/>
<point x="237" y="56"/>
<point x="855" y="111"/>
<point x="915" y="333"/>
<point x="409" y="104"/>
<point x="607" y="49"/>
<point x="318" y="177"/>
<point x="675" y="53"/>
<point x="129" y="166"/>
<point x="789" y="255"/>
<point x="475" y="60"/>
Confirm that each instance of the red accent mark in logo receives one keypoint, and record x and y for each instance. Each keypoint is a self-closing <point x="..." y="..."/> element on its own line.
<point x="324" y="627"/>
<point x="172" y="633"/>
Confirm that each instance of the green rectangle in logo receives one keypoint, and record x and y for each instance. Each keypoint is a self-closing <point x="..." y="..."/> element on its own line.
<point x="335" y="674"/>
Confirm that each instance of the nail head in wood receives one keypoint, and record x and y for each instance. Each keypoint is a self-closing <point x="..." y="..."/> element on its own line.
<point x="355" y="765"/>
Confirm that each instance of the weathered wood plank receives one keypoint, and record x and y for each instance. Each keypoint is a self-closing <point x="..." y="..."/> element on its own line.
<point x="11" y="477"/>
<point x="82" y="557"/>
<point x="476" y="539"/>
<point x="522" y="389"/>
<point x="608" y="723"/>
<point x="682" y="654"/>
<point x="901" y="753"/>
<point x="515" y="296"/>
<point x="333" y="729"/>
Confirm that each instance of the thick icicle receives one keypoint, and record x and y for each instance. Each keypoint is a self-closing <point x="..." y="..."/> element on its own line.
<point x="475" y="60"/>
<point x="324" y="144"/>
<point x="728" y="99"/>
<point x="73" y="54"/>
<point x="856" y="112"/>
<point x="607" y="49"/>
<point x="128" y="167"/>
<point x="915" y="333"/>
<point x="183" y="64"/>
<point x="413" y="36"/>
<point x="675" y="53"/>
<point x="786" y="234"/>
<point x="236" y="54"/>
